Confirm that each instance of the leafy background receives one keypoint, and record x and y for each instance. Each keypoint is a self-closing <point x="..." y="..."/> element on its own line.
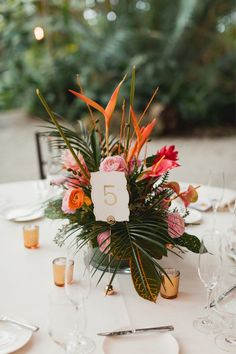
<point x="184" y="46"/>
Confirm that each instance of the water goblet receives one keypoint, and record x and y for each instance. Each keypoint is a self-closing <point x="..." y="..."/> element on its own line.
<point x="77" y="291"/>
<point x="209" y="273"/>
<point x="215" y="191"/>
<point x="230" y="249"/>
<point x="226" y="307"/>
<point x="232" y="210"/>
<point x="61" y="316"/>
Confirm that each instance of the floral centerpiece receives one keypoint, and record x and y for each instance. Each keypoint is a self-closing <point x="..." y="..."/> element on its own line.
<point x="155" y="228"/>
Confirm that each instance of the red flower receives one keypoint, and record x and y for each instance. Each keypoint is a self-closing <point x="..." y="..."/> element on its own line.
<point x="169" y="153"/>
<point x="160" y="167"/>
<point x="164" y="161"/>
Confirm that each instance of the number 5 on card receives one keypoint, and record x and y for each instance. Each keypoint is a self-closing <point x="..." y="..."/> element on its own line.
<point x="110" y="196"/>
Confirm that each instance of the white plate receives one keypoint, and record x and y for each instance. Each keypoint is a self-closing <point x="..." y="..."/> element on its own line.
<point x="13" y="337"/>
<point x="21" y="214"/>
<point x="194" y="217"/>
<point x="201" y="204"/>
<point x="149" y="343"/>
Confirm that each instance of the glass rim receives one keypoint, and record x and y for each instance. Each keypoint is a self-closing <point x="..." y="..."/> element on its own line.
<point x="63" y="259"/>
<point x="173" y="272"/>
<point x="30" y="227"/>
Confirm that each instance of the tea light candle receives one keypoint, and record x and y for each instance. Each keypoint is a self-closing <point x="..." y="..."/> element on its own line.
<point x="31" y="236"/>
<point x="59" y="267"/>
<point x="170" y="290"/>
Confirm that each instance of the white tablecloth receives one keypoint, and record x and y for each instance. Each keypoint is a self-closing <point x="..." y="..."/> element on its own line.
<point x="26" y="280"/>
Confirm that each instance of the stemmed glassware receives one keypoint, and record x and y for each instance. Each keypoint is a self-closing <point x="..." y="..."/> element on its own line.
<point x="230" y="249"/>
<point x="61" y="317"/>
<point x="216" y="184"/>
<point x="77" y="291"/>
<point x="209" y="265"/>
<point x="226" y="307"/>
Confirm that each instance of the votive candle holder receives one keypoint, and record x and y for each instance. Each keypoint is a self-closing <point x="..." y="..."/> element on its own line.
<point x="59" y="268"/>
<point x="31" y="236"/>
<point x="169" y="290"/>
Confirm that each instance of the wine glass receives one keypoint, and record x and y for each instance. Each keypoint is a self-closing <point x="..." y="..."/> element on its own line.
<point x="215" y="190"/>
<point x="77" y="291"/>
<point x="209" y="273"/>
<point x="230" y="249"/>
<point x="61" y="316"/>
<point x="226" y="307"/>
<point x="232" y="210"/>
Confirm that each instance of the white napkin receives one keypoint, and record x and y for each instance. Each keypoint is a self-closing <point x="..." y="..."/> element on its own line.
<point x="152" y="343"/>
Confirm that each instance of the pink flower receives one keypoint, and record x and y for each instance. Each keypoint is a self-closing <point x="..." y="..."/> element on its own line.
<point x="165" y="161"/>
<point x="113" y="163"/>
<point x="104" y="240"/>
<point x="70" y="163"/>
<point x="169" y="153"/>
<point x="65" y="203"/>
<point x="175" y="225"/>
<point x="160" y="168"/>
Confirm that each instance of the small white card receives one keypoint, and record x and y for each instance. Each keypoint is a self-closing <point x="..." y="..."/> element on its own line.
<point x="110" y="196"/>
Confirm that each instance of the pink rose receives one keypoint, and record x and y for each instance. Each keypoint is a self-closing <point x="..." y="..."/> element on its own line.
<point x="104" y="240"/>
<point x="175" y="225"/>
<point x="113" y="163"/>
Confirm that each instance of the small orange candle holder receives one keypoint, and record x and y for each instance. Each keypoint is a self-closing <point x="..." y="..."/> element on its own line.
<point x="59" y="267"/>
<point x="170" y="290"/>
<point x="31" y="236"/>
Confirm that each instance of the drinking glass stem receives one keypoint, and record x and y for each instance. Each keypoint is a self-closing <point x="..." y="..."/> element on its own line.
<point x="214" y="216"/>
<point x="79" y="328"/>
<point x="209" y="292"/>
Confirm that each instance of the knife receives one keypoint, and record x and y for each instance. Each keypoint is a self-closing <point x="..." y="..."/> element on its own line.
<point x="222" y="296"/>
<point x="19" y="323"/>
<point x="136" y="331"/>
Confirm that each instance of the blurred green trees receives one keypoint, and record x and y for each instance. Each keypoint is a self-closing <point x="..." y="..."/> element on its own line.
<point x="184" y="46"/>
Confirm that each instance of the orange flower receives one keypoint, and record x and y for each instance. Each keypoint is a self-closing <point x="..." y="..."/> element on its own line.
<point x="76" y="199"/>
<point x="72" y="200"/>
<point x="108" y="111"/>
<point x="87" y="200"/>
<point x="142" y="135"/>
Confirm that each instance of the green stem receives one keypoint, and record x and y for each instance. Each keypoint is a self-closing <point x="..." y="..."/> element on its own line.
<point x="107" y="139"/>
<point x="132" y="90"/>
<point x="55" y="122"/>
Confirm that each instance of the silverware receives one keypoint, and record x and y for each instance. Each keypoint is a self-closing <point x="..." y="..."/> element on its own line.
<point x="19" y="323"/>
<point x="222" y="296"/>
<point x="136" y="331"/>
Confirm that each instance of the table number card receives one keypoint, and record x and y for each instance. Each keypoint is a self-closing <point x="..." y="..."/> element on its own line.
<point x="110" y="196"/>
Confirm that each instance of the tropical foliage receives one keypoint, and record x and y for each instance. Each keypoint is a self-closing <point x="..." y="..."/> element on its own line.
<point x="184" y="46"/>
<point x="154" y="228"/>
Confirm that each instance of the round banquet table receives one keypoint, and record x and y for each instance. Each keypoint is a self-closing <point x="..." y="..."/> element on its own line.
<point x="26" y="280"/>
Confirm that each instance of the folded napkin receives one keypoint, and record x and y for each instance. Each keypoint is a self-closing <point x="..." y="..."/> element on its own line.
<point x="151" y="343"/>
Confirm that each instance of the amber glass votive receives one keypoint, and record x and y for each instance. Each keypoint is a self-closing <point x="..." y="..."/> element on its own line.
<point x="170" y="290"/>
<point x="31" y="236"/>
<point x="59" y="267"/>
